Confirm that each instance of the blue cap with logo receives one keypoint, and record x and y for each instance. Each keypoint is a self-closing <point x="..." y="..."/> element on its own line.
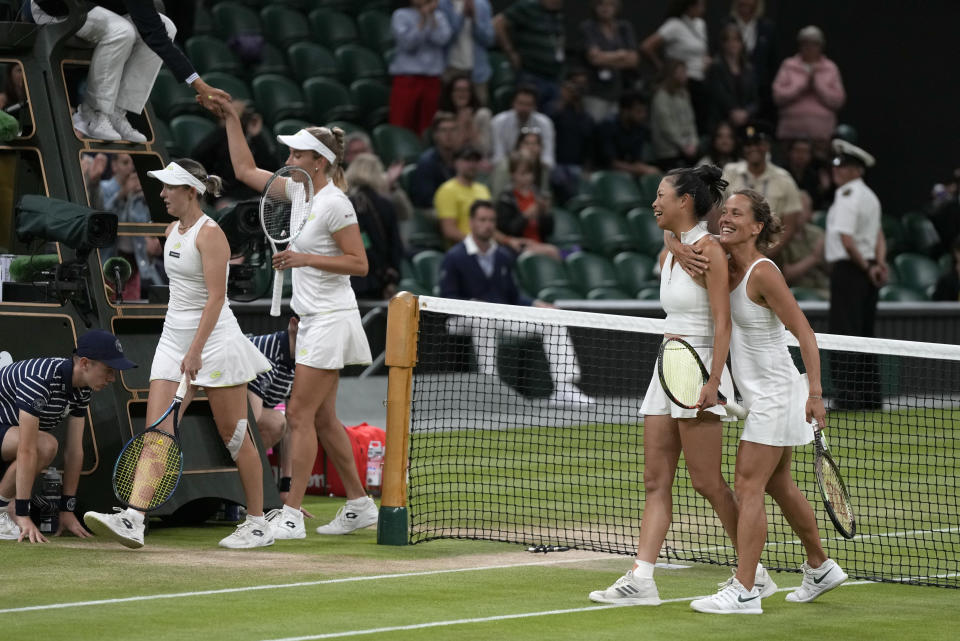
<point x="101" y="345"/>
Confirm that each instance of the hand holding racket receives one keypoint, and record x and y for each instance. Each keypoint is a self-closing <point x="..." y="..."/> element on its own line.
<point x="832" y="488"/>
<point x="149" y="467"/>
<point x="284" y="208"/>
<point x="683" y="376"/>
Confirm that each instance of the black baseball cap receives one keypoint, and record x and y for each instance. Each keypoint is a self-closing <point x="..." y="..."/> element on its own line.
<point x="755" y="132"/>
<point x="101" y="345"/>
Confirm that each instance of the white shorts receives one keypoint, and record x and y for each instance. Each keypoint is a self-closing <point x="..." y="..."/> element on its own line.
<point x="657" y="403"/>
<point x="332" y="340"/>
<point x="779" y="419"/>
<point x="228" y="357"/>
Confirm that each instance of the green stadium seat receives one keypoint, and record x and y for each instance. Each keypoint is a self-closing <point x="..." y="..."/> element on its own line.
<point x="536" y="272"/>
<point x="945" y="262"/>
<point x="580" y="202"/>
<point x="170" y="97"/>
<point x="649" y="293"/>
<point x="211" y="54"/>
<point x="413" y="286"/>
<point x="635" y="271"/>
<point x="161" y="130"/>
<point x="406" y="176"/>
<point x="310" y="60"/>
<point x="328" y="100"/>
<point x="283" y="25"/>
<point x="805" y="293"/>
<point x="566" y="229"/>
<point x="188" y="130"/>
<point x="501" y="98"/>
<point x="289" y="126"/>
<point x="589" y="271"/>
<point x="608" y="293"/>
<point x="237" y="88"/>
<point x="332" y="28"/>
<point x="277" y="97"/>
<point x="426" y="264"/>
<point x="355" y="62"/>
<point x="820" y="218"/>
<point x="648" y="237"/>
<point x="272" y="60"/>
<point x="615" y="190"/>
<point x="232" y="18"/>
<point x="503" y="74"/>
<point x="372" y="97"/>
<point x="425" y="232"/>
<point x="919" y="234"/>
<point x="348" y="127"/>
<point x="916" y="271"/>
<point x="396" y="143"/>
<point x="893" y="232"/>
<point x="553" y="294"/>
<point x="605" y="231"/>
<point x="202" y="20"/>
<point x="374" y="29"/>
<point x="898" y="294"/>
<point x="649" y="184"/>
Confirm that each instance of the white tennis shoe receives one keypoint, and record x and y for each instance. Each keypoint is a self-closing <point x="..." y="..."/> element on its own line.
<point x="816" y="581"/>
<point x="356" y="514"/>
<point x="733" y="598"/>
<point x="249" y="534"/>
<point x="123" y="127"/>
<point x="9" y="531"/>
<point x="568" y="396"/>
<point x="94" y="124"/>
<point x="125" y="527"/>
<point x="287" y="523"/>
<point x="628" y="590"/>
<point x="762" y="581"/>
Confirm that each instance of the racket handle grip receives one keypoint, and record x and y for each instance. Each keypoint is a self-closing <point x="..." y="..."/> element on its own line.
<point x="277" y="293"/>
<point x="182" y="388"/>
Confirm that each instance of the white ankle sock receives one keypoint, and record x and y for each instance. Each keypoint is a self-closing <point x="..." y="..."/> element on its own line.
<point x="259" y="520"/>
<point x="642" y="569"/>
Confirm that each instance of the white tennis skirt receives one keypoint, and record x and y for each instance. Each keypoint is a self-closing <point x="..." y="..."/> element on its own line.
<point x="657" y="403"/>
<point x="777" y="418"/>
<point x="228" y="357"/>
<point x="332" y="340"/>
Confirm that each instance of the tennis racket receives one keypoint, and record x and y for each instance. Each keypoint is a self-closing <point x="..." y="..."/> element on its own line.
<point x="284" y="209"/>
<point x="148" y="469"/>
<point x="683" y="375"/>
<point x="832" y="488"/>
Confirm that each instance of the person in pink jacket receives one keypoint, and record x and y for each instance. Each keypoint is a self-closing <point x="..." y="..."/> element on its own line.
<point x="808" y="91"/>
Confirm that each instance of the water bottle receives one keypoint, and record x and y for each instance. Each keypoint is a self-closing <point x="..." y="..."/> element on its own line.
<point x="45" y="507"/>
<point x="375" y="453"/>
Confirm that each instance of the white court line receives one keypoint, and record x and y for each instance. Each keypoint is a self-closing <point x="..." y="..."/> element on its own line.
<point x="501" y="617"/>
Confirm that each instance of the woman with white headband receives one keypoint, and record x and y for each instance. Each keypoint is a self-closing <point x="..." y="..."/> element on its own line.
<point x="328" y="251"/>
<point x="200" y="338"/>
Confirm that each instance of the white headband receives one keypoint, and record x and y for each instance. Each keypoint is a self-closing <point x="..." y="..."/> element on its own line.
<point x="174" y="174"/>
<point x="303" y="140"/>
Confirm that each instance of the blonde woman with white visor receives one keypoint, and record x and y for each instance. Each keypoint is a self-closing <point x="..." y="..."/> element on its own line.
<point x="200" y="338"/>
<point x="328" y="251"/>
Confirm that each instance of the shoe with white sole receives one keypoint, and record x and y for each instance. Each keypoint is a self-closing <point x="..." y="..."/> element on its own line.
<point x="94" y="124"/>
<point x="816" y="581"/>
<point x="9" y="531"/>
<point x="762" y="581"/>
<point x="125" y="527"/>
<point x="628" y="590"/>
<point x="356" y="514"/>
<point x="569" y="397"/>
<point x="249" y="534"/>
<point x="287" y="523"/>
<point x="123" y="127"/>
<point x="732" y="598"/>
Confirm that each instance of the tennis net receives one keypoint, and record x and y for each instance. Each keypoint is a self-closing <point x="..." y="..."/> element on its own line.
<point x="525" y="428"/>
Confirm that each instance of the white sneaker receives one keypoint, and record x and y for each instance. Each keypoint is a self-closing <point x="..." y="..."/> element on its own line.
<point x="568" y="396"/>
<point x="356" y="514"/>
<point x="94" y="124"/>
<point x="732" y="598"/>
<point x="816" y="581"/>
<point x="123" y="127"/>
<point x="249" y="534"/>
<point x="762" y="581"/>
<point x="9" y="531"/>
<point x="629" y="590"/>
<point x="287" y="523"/>
<point x="125" y="527"/>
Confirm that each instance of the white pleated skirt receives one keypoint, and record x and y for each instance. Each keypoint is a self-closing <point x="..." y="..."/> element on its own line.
<point x="332" y="340"/>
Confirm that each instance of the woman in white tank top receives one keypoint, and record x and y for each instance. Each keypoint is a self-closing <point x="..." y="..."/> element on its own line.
<point x="779" y="402"/>
<point x="328" y="251"/>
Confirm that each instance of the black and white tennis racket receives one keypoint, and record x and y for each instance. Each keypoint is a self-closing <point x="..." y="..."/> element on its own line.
<point x="284" y="208"/>
<point x="683" y="375"/>
<point x="832" y="488"/>
<point x="149" y="467"/>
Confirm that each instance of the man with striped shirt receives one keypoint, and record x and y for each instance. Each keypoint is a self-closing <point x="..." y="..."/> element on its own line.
<point x="35" y="395"/>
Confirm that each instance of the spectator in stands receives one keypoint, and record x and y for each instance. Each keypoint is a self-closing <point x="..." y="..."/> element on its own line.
<point x="378" y="227"/>
<point x="674" y="130"/>
<point x="523" y="115"/>
<point x="575" y="139"/>
<point x="532" y="34"/>
<point x="807" y="173"/>
<point x="524" y="221"/>
<point x="945" y="209"/>
<point x="129" y="50"/>
<point x="435" y="165"/>
<point x="723" y="146"/>
<point x="477" y="268"/>
<point x="759" y="39"/>
<point x="13" y="99"/>
<point x="683" y="37"/>
<point x="774" y="183"/>
<point x="454" y="197"/>
<point x="731" y="82"/>
<point x="421" y="32"/>
<point x="472" y="120"/>
<point x="144" y="253"/>
<point x="529" y="143"/>
<point x="611" y="52"/>
<point x="623" y="140"/>
<point x="471" y="22"/>
<point x="808" y="91"/>
<point x="948" y="285"/>
<point x="801" y="260"/>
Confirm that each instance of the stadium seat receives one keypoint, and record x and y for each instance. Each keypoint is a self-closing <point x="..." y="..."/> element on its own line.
<point x="211" y="54"/>
<point x="820" y="218"/>
<point x="648" y="188"/>
<point x="608" y="293"/>
<point x="424" y="231"/>
<point x="188" y="130"/>
<point x="896" y="293"/>
<point x="501" y="98"/>
<point x="503" y="74"/>
<point x="396" y="143"/>
<point x="372" y="97"/>
<point x="945" y="263"/>
<point x="374" y="29"/>
<point x="635" y="271"/>
<point x="277" y="97"/>
<point x="284" y="26"/>
<point x="536" y="272"/>
<point x="919" y="234"/>
<point x="310" y="60"/>
<point x="805" y="293"/>
<point x="355" y="62"/>
<point x="426" y="264"/>
<point x="413" y="286"/>
<point x="589" y="271"/>
<point x="406" y="176"/>
<point x="328" y="100"/>
<point x="348" y="127"/>
<point x="232" y="18"/>
<point x="553" y="294"/>
<point x="579" y="202"/>
<point x="615" y="190"/>
<point x="648" y="237"/>
<point x="170" y="97"/>
<point x="893" y="232"/>
<point x="604" y="231"/>
<point x="649" y="293"/>
<point x="202" y="20"/>
<point x="162" y="131"/>
<point x="566" y="229"/>
<point x="289" y="126"/>
<point x="916" y="271"/>
<point x="332" y="28"/>
<point x="272" y="60"/>
<point x="234" y="86"/>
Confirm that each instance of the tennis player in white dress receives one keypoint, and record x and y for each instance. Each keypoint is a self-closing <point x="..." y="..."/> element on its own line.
<point x="201" y="338"/>
<point x="326" y="253"/>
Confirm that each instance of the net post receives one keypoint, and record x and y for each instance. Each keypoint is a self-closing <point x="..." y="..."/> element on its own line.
<point x="401" y="357"/>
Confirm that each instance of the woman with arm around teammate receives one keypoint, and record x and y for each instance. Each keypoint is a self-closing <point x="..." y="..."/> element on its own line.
<point x="200" y="338"/>
<point x="698" y="309"/>
<point x="779" y="402"/>
<point x="328" y="251"/>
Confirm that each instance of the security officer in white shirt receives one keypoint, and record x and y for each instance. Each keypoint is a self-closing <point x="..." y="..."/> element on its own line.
<point x="856" y="250"/>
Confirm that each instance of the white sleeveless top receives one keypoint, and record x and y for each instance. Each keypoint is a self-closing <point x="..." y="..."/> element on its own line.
<point x="184" y="267"/>
<point x="686" y="302"/>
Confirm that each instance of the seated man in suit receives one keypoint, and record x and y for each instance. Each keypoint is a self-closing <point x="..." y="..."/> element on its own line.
<point x="477" y="268"/>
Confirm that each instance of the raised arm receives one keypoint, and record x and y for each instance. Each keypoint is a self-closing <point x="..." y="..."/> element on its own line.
<point x="241" y="157"/>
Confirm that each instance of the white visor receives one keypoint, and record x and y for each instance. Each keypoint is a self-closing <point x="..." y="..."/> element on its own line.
<point x="303" y="140"/>
<point x="174" y="174"/>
